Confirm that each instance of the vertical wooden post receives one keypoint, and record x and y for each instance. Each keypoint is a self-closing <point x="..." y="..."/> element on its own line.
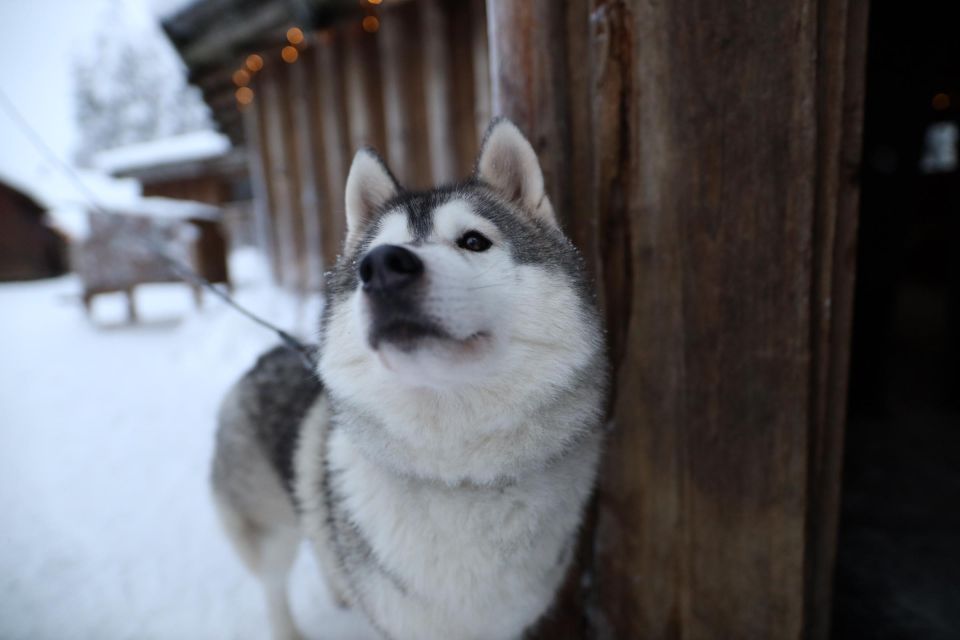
<point x="528" y="54"/>
<point x="465" y="101"/>
<point x="304" y="103"/>
<point x="841" y="79"/>
<point x="480" y="56"/>
<point x="287" y="103"/>
<point x="361" y="70"/>
<point x="449" y="87"/>
<point x="279" y="177"/>
<point x="438" y="85"/>
<point x="256" y="148"/>
<point x="334" y="132"/>
<point x="403" y="95"/>
<point x="720" y="221"/>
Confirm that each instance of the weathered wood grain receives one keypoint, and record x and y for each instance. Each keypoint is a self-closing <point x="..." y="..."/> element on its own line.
<point x="842" y="74"/>
<point x="480" y="56"/>
<point x="449" y="88"/>
<point x="333" y="136"/>
<point x="262" y="212"/>
<point x="304" y="105"/>
<point x="361" y="72"/>
<point x="528" y="71"/>
<point x="404" y="97"/>
<point x="720" y="218"/>
<point x="278" y="158"/>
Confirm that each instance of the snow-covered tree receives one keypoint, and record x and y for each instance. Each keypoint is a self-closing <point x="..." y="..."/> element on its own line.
<point x="132" y="88"/>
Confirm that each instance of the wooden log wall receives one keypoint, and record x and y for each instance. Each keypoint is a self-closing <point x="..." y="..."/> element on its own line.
<point x="416" y="89"/>
<point x="719" y="218"/>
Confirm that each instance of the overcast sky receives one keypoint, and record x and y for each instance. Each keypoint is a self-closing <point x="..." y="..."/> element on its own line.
<point x="38" y="41"/>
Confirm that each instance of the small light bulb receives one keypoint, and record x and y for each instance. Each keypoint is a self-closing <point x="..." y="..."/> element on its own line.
<point x="371" y="24"/>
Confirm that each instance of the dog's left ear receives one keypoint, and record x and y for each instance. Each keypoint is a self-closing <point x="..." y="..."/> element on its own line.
<point x="509" y="164"/>
<point x="369" y="186"/>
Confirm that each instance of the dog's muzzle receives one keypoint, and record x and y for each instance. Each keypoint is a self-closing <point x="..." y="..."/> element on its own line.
<point x="392" y="280"/>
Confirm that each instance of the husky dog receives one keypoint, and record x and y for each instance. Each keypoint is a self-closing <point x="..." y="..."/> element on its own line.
<point x="440" y="462"/>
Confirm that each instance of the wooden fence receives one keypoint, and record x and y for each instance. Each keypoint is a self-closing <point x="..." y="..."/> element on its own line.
<point x="416" y="88"/>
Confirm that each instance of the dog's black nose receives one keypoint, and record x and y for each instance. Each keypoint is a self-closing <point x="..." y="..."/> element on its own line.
<point x="389" y="267"/>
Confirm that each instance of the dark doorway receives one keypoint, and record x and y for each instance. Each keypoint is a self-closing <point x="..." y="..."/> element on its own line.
<point x="898" y="563"/>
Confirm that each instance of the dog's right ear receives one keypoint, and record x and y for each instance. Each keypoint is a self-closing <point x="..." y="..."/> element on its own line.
<point x="509" y="164"/>
<point x="369" y="185"/>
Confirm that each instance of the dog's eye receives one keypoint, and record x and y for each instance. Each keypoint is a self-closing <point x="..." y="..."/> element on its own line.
<point x="474" y="241"/>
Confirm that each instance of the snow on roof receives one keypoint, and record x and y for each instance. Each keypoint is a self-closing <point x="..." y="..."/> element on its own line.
<point x="165" y="208"/>
<point x="197" y="145"/>
<point x="66" y="201"/>
<point x="17" y="184"/>
<point x="53" y="187"/>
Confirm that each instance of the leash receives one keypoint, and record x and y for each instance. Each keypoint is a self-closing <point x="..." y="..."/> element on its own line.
<point x="177" y="268"/>
<point x="185" y="273"/>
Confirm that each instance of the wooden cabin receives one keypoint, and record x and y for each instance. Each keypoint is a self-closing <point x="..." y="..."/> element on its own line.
<point x="141" y="241"/>
<point x="704" y="156"/>
<point x="29" y="247"/>
<point x="200" y="166"/>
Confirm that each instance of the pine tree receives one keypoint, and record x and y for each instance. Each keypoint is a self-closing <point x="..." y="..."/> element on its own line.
<point x="132" y="88"/>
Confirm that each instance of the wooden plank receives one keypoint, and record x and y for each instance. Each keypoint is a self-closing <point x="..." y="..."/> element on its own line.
<point x="291" y="136"/>
<point x="464" y="101"/>
<point x="725" y="274"/>
<point x="258" y="158"/>
<point x="449" y="86"/>
<point x="278" y="161"/>
<point x="842" y="74"/>
<point x="528" y="83"/>
<point x="437" y="69"/>
<point x="719" y="353"/>
<point x="364" y="93"/>
<point x="304" y="105"/>
<point x="582" y="208"/>
<point x="403" y="95"/>
<point x="702" y="509"/>
<point x="334" y="131"/>
<point x="480" y="56"/>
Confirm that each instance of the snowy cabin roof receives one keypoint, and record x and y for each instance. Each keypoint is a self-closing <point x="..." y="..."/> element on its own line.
<point x="66" y="201"/>
<point x="173" y="152"/>
<point x="164" y="209"/>
<point x="24" y="190"/>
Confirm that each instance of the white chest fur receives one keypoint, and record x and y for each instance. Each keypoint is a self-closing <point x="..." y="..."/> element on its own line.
<point x="460" y="561"/>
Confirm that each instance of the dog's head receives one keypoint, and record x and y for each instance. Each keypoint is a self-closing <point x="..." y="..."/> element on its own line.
<point x="470" y="285"/>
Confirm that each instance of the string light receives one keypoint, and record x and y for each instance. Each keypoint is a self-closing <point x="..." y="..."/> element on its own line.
<point x="241" y="78"/>
<point x="254" y="62"/>
<point x="294" y="35"/>
<point x="374" y="1"/>
<point x="244" y="96"/>
<point x="370" y="24"/>
<point x="289" y="54"/>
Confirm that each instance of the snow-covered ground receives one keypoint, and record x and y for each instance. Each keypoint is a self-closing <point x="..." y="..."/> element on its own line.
<point x="107" y="529"/>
